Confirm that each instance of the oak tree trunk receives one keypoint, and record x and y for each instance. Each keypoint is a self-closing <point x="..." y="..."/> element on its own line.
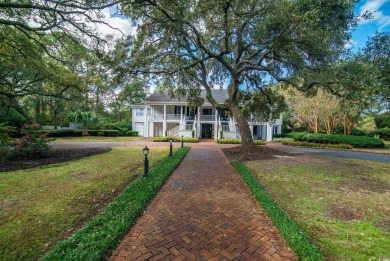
<point x="242" y="122"/>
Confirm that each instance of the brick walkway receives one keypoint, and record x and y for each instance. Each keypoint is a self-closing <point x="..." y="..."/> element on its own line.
<point x="203" y="212"/>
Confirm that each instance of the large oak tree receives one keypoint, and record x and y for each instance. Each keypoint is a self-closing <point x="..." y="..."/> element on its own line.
<point x="245" y="45"/>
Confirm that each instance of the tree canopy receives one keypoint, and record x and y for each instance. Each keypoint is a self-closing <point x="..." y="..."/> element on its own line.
<point x="243" y="45"/>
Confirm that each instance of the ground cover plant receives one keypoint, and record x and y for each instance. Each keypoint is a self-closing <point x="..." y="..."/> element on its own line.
<point x="175" y="139"/>
<point x="42" y="205"/>
<point x="294" y="236"/>
<point x="355" y="141"/>
<point x="341" y="203"/>
<point x="237" y="141"/>
<point x="104" y="232"/>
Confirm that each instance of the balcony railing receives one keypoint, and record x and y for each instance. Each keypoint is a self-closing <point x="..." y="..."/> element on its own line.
<point x="178" y="117"/>
<point x="207" y="117"/>
<point x="169" y="117"/>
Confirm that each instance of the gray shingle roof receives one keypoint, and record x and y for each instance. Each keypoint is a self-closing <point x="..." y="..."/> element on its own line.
<point x="219" y="95"/>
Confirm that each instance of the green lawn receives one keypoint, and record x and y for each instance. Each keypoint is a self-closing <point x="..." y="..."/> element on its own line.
<point x="96" y="139"/>
<point x="343" y="204"/>
<point x="43" y="205"/>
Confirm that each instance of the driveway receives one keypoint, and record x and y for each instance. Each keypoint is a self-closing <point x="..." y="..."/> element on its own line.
<point x="332" y="153"/>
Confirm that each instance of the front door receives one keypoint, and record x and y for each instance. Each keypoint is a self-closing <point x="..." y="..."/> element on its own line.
<point x="206" y="131"/>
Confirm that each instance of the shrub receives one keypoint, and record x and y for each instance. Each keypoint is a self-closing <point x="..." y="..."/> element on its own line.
<point x="382" y="121"/>
<point x="175" y="139"/>
<point x="6" y="151"/>
<point x="32" y="144"/>
<point x="237" y="141"/>
<point x="64" y="133"/>
<point x="259" y="142"/>
<point x="355" y="141"/>
<point x="354" y="132"/>
<point x="7" y="130"/>
<point x="121" y="126"/>
<point x="318" y="145"/>
<point x="282" y="139"/>
<point x="228" y="141"/>
<point x="132" y="133"/>
<point x="383" y="133"/>
<point x="100" y="133"/>
<point x="106" y="133"/>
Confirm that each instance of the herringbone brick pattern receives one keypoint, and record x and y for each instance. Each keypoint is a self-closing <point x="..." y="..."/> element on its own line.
<point x="203" y="212"/>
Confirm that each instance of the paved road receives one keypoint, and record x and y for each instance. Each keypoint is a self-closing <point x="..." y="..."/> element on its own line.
<point x="333" y="153"/>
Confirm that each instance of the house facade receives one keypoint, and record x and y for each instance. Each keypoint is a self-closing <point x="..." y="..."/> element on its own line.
<point x="161" y="116"/>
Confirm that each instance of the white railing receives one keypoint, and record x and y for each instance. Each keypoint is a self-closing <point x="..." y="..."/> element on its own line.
<point x="207" y="117"/>
<point x="225" y="128"/>
<point x="169" y="117"/>
<point x="173" y="117"/>
<point x="189" y="127"/>
<point x="174" y="131"/>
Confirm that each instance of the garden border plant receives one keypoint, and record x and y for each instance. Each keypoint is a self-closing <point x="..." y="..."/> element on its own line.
<point x="295" y="237"/>
<point x="316" y="145"/>
<point x="175" y="139"/>
<point x="237" y="141"/>
<point x="355" y="141"/>
<point x="105" y="231"/>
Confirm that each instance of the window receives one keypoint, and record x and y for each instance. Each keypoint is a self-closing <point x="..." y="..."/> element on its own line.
<point x="275" y="130"/>
<point x="139" y="112"/>
<point x="177" y="109"/>
<point x="207" y="111"/>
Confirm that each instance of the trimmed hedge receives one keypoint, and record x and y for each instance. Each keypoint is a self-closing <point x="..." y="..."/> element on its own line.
<point x="107" y="133"/>
<point x="78" y="133"/>
<point x="132" y="133"/>
<point x="237" y="141"/>
<point x="295" y="237"/>
<point x="282" y="139"/>
<point x="97" y="238"/>
<point x="175" y="139"/>
<point x="318" y="145"/>
<point x="355" y="141"/>
<point x="64" y="133"/>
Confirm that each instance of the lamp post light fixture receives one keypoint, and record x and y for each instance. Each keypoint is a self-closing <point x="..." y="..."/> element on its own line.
<point x="170" y="147"/>
<point x="182" y="140"/>
<point x="146" y="161"/>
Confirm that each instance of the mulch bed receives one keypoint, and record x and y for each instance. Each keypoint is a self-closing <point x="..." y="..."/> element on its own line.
<point x="56" y="156"/>
<point x="253" y="153"/>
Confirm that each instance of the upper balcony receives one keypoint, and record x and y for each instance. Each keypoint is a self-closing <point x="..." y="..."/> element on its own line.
<point x="178" y="117"/>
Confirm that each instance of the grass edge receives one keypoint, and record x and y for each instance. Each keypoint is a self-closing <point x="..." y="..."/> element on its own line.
<point x="298" y="240"/>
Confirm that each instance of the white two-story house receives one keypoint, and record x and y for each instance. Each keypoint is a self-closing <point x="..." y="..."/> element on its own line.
<point x="161" y="115"/>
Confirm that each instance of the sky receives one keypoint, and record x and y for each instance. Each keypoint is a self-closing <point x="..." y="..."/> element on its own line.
<point x="367" y="28"/>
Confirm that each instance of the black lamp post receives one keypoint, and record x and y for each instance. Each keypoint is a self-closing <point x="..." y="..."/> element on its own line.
<point x="182" y="140"/>
<point x="170" y="147"/>
<point x="146" y="161"/>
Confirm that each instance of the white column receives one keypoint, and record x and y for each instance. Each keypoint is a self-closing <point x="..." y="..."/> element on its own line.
<point x="251" y="127"/>
<point x="269" y="131"/>
<point x="181" y="114"/>
<point x="146" y="125"/>
<point x="198" y="129"/>
<point x="215" y="125"/>
<point x="165" y="121"/>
